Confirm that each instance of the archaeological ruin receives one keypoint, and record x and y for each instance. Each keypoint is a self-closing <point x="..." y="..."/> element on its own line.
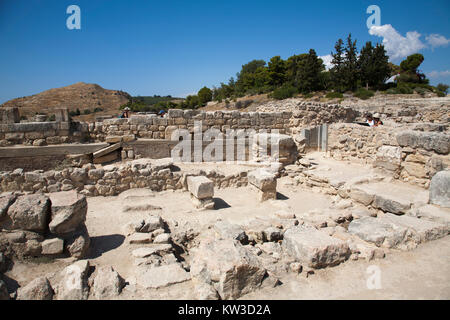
<point x="218" y="204"/>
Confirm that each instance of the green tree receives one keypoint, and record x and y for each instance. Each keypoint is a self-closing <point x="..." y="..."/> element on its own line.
<point x="409" y="69"/>
<point x="373" y="65"/>
<point x="204" y="95"/>
<point x="350" y="70"/>
<point x="336" y="72"/>
<point x="277" y="71"/>
<point x="442" y="87"/>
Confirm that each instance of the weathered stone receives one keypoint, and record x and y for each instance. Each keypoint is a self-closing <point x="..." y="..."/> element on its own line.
<point x="273" y="234"/>
<point x="263" y="180"/>
<point x="388" y="157"/>
<point x="5" y="202"/>
<point x="145" y="252"/>
<point x="226" y="230"/>
<point x="77" y="243"/>
<point x="201" y="187"/>
<point x="232" y="268"/>
<point x="440" y="189"/>
<point x="28" y="212"/>
<point x="74" y="284"/>
<point x="162" y="238"/>
<point x="68" y="211"/>
<point x="38" y="289"/>
<point x="151" y="224"/>
<point x="433" y="213"/>
<point x="162" y="276"/>
<point x="52" y="246"/>
<point x="107" y="283"/>
<point x="314" y="248"/>
<point x="107" y="150"/>
<point x="203" y="204"/>
<point x="397" y="206"/>
<point x="138" y="238"/>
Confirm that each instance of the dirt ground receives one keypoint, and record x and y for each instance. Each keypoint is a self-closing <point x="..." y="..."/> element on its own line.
<point x="423" y="273"/>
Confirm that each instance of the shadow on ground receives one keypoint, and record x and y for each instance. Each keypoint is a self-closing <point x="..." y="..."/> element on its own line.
<point x="102" y="244"/>
<point x="220" y="204"/>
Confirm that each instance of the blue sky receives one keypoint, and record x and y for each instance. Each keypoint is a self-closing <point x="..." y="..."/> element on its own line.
<point x="176" y="47"/>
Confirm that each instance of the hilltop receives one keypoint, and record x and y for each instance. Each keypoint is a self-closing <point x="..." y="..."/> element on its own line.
<point x="81" y="96"/>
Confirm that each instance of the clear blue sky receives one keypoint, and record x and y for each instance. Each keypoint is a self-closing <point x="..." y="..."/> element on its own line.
<point x="176" y="47"/>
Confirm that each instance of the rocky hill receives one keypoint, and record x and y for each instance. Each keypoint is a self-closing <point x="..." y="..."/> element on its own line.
<point x="82" y="96"/>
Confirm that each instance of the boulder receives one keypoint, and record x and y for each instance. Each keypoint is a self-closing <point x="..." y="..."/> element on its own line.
<point x="28" y="212"/>
<point x="52" y="246"/>
<point x="314" y="248"/>
<point x="107" y="283"/>
<point x="392" y="205"/>
<point x="159" y="249"/>
<point x="139" y="238"/>
<point x="440" y="189"/>
<point x="77" y="243"/>
<point x="38" y="289"/>
<point x="74" y="282"/>
<point x="233" y="269"/>
<point x="200" y="187"/>
<point x="162" y="238"/>
<point x="69" y="210"/>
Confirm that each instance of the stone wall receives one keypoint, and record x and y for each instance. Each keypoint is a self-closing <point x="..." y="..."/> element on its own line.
<point x="43" y="133"/>
<point x="286" y="122"/>
<point x="111" y="180"/>
<point x="410" y="155"/>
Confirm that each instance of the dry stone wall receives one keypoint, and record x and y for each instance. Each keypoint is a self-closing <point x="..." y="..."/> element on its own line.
<point x="411" y="155"/>
<point x="111" y="180"/>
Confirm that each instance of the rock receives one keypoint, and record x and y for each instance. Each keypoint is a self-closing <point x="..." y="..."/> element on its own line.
<point x="204" y="291"/>
<point x="388" y="157"/>
<point x="272" y="234"/>
<point x="38" y="289"/>
<point x="139" y="238"/>
<point x="77" y="243"/>
<point x="203" y="204"/>
<point x="68" y="211"/>
<point x="433" y="213"/>
<point x="230" y="267"/>
<point x="377" y="231"/>
<point x="4" y="295"/>
<point x="107" y="283"/>
<point x="440" y="189"/>
<point x="263" y="180"/>
<point x="52" y="246"/>
<point x="314" y="248"/>
<point x="5" y="202"/>
<point x="361" y="196"/>
<point x="145" y="252"/>
<point x="226" y="230"/>
<point x="162" y="276"/>
<point x="74" y="284"/>
<point x="151" y="224"/>
<point x="28" y="212"/>
<point x="162" y="238"/>
<point x="200" y="187"/>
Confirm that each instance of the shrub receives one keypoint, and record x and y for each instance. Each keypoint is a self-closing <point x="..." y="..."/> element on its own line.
<point x="440" y="94"/>
<point x="334" y="95"/>
<point x="283" y="92"/>
<point x="363" y="94"/>
<point x="308" y="95"/>
<point x="86" y="111"/>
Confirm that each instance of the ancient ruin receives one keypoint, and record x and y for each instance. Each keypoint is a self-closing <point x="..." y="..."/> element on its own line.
<point x="217" y="205"/>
